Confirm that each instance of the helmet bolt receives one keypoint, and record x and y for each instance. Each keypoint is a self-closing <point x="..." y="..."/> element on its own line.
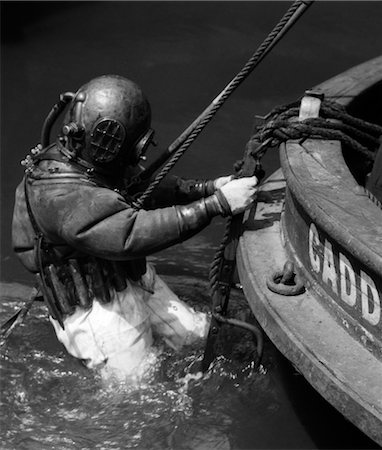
<point x="71" y="129"/>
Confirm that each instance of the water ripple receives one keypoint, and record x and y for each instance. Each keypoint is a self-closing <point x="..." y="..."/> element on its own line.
<point x="49" y="400"/>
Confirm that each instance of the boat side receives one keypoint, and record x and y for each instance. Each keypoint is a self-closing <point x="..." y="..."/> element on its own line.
<point x="333" y="229"/>
<point x="337" y="365"/>
<point x="334" y="233"/>
<point x="329" y="228"/>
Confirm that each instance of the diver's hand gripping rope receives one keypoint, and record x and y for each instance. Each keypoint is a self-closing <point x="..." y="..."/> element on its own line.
<point x="222" y="270"/>
<point x="181" y="144"/>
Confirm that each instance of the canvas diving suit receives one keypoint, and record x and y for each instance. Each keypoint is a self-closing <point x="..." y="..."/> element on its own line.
<point x="109" y="297"/>
<point x="76" y="226"/>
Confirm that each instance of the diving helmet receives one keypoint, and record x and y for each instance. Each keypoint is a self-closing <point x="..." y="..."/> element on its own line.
<point x="108" y="123"/>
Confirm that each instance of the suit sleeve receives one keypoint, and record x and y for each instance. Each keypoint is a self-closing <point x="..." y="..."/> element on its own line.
<point x="175" y="190"/>
<point x="98" y="221"/>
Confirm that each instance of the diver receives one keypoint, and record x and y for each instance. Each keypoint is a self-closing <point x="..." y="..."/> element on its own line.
<point x="76" y="228"/>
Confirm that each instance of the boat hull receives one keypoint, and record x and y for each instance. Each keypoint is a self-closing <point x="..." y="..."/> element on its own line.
<point x="338" y="366"/>
<point x="317" y="216"/>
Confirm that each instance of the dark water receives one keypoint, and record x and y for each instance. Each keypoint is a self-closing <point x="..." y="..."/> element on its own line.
<point x="182" y="54"/>
<point x="49" y="401"/>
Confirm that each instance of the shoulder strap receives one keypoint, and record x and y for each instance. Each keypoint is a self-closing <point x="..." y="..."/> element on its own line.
<point x="39" y="242"/>
<point x="36" y="228"/>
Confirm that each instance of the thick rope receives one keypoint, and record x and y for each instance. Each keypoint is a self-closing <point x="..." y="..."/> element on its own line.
<point x="219" y="101"/>
<point x="334" y="123"/>
<point x="333" y="109"/>
<point x="213" y="275"/>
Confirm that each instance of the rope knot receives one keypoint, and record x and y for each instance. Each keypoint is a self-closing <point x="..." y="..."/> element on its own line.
<point x="335" y="123"/>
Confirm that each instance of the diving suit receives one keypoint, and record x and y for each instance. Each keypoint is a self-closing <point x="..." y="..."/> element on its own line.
<point x="75" y="226"/>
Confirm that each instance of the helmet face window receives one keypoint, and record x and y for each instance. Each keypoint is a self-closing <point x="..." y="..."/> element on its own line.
<point x="106" y="140"/>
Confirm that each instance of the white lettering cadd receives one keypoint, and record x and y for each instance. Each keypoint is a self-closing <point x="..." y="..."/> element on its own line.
<point x="344" y="278"/>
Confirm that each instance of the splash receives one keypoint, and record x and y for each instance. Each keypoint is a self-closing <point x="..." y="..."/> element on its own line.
<point x="49" y="400"/>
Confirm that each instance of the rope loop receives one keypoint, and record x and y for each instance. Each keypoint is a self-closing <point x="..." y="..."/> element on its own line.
<point x="286" y="282"/>
<point x="334" y="123"/>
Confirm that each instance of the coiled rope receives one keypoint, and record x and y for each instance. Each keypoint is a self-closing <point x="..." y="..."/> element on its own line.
<point x="281" y="125"/>
<point x="286" y="22"/>
<point x="334" y="123"/>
